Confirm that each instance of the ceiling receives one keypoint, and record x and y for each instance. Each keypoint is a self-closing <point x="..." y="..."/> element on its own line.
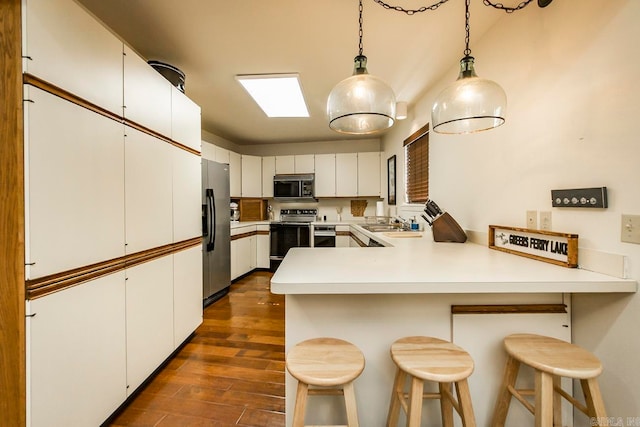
<point x="212" y="41"/>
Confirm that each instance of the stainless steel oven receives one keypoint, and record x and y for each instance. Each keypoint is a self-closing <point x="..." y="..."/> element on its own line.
<point x="324" y="236"/>
<point x="292" y="231"/>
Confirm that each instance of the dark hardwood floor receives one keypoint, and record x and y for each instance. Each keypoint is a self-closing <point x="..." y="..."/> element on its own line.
<point x="231" y="373"/>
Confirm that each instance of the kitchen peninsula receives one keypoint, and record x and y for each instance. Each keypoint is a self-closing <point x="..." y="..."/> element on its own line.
<point x="372" y="296"/>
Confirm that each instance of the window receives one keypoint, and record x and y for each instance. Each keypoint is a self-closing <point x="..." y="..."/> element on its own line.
<point x="416" y="157"/>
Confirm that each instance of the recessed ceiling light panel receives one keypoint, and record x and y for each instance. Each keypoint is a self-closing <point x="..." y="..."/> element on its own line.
<point x="279" y="95"/>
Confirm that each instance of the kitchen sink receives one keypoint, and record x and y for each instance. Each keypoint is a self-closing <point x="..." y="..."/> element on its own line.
<point x="374" y="228"/>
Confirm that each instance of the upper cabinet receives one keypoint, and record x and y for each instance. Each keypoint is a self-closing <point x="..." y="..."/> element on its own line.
<point x="60" y="53"/>
<point x="268" y="171"/>
<point x="235" y="174"/>
<point x="325" y="182"/>
<point x="187" y="194"/>
<point x="75" y="185"/>
<point x="285" y="164"/>
<point x="346" y="174"/>
<point x="185" y="120"/>
<point x="304" y="163"/>
<point x="147" y="95"/>
<point x="369" y="174"/>
<point x="251" y="176"/>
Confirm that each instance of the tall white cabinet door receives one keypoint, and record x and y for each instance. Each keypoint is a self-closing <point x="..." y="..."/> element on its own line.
<point x="187" y="195"/>
<point x="76" y="354"/>
<point x="369" y="174"/>
<point x="74" y="182"/>
<point x="147" y="95"/>
<point x="251" y="176"/>
<point x="235" y="174"/>
<point x="268" y="171"/>
<point x="187" y="293"/>
<point x="325" y="182"/>
<point x="304" y="163"/>
<point x="71" y="50"/>
<point x="346" y="174"/>
<point x="149" y="307"/>
<point x="148" y="192"/>
<point x="185" y="120"/>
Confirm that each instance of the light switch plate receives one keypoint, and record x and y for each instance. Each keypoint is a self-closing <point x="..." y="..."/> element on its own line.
<point x="630" y="229"/>
<point x="545" y="220"/>
<point x="532" y="220"/>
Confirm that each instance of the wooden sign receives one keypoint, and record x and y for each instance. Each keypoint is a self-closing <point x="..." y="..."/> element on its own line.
<point x="555" y="248"/>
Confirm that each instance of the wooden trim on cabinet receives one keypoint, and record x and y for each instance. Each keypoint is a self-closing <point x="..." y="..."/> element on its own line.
<point x="243" y="235"/>
<point x="34" y="81"/>
<point x="263" y="232"/>
<point x="343" y="233"/>
<point x="358" y="241"/>
<point x="12" y="239"/>
<point x="46" y="285"/>
<point x="509" y="309"/>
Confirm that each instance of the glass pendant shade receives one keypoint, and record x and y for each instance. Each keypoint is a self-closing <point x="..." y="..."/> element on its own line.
<point x="362" y="103"/>
<point x="470" y="104"/>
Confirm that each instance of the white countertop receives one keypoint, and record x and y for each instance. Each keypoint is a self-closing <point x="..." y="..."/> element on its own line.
<point x="419" y="265"/>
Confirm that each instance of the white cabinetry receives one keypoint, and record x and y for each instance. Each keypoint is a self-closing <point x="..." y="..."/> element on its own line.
<point x="187" y="293"/>
<point x="76" y="354"/>
<point x="221" y="155"/>
<point x="235" y="174"/>
<point x="75" y="185"/>
<point x="369" y="174"/>
<point x="285" y="164"/>
<point x="342" y="236"/>
<point x="251" y="176"/>
<point x="487" y="351"/>
<point x="70" y="49"/>
<point x="148" y="192"/>
<point x="147" y="95"/>
<point x="187" y="195"/>
<point x="268" y="171"/>
<point x="242" y="256"/>
<point x="346" y="174"/>
<point x="304" y="163"/>
<point x="263" y="245"/>
<point x="149" y="314"/>
<point x="325" y="170"/>
<point x="185" y="120"/>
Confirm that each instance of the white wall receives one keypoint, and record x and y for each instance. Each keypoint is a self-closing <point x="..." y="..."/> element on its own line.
<point x="570" y="72"/>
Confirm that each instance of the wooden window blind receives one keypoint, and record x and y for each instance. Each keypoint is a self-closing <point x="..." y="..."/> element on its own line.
<point x="416" y="155"/>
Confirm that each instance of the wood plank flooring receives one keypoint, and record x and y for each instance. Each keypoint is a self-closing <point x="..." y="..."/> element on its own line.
<point x="230" y="374"/>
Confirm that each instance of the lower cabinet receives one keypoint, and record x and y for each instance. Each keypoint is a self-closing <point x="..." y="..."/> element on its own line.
<point x="76" y="354"/>
<point x="250" y="251"/>
<point x="90" y="346"/>
<point x="149" y="296"/>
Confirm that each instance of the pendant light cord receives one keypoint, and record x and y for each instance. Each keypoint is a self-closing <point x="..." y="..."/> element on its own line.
<point x="360" y="33"/>
<point x="467" y="29"/>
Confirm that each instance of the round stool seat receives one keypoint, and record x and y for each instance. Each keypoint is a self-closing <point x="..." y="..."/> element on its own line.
<point x="431" y="359"/>
<point x="553" y="356"/>
<point x="325" y="362"/>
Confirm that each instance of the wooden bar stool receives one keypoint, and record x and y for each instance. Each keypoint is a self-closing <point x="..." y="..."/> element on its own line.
<point x="551" y="359"/>
<point x="430" y="359"/>
<point x="330" y="365"/>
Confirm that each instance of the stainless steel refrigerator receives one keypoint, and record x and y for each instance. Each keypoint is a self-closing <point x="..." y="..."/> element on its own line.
<point x="216" y="241"/>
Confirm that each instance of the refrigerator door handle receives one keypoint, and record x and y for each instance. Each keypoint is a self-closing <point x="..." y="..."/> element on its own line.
<point x="205" y="219"/>
<point x="211" y="202"/>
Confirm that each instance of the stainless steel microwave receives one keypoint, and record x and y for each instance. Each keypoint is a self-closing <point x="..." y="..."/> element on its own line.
<point x="294" y="187"/>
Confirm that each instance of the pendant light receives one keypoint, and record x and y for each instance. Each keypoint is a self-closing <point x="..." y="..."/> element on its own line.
<point x="471" y="103"/>
<point x="361" y="104"/>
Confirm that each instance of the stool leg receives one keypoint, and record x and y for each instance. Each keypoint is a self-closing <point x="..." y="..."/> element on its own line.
<point x="557" y="402"/>
<point x="415" y="402"/>
<point x="350" y="404"/>
<point x="396" y="394"/>
<point x="446" y="408"/>
<point x="593" y="398"/>
<point x="544" y="399"/>
<point x="464" y="401"/>
<point x="300" y="406"/>
<point x="504" y="396"/>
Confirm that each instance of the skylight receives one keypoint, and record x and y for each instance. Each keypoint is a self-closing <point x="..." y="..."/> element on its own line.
<point x="279" y="95"/>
